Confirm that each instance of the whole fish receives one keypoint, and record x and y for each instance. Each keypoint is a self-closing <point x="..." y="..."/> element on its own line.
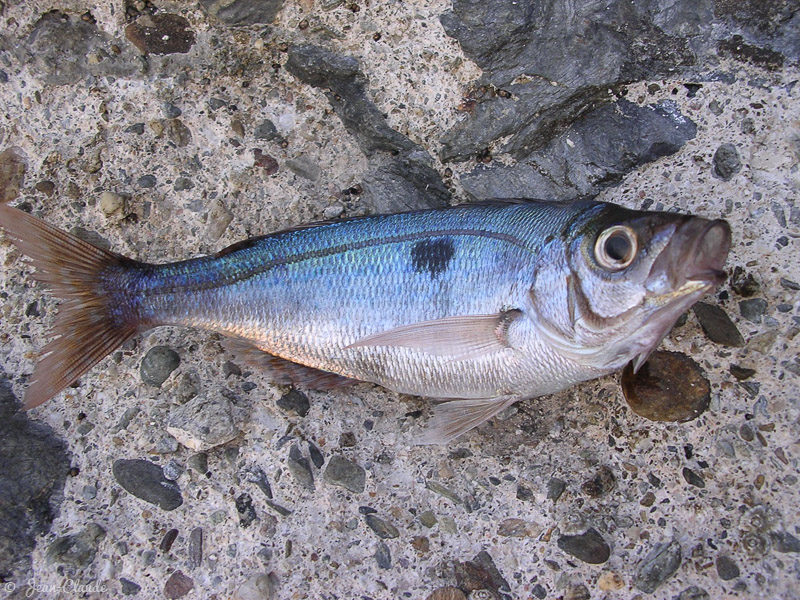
<point x="481" y="304"/>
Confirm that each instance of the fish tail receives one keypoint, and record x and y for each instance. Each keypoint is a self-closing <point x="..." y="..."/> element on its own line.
<point x="95" y="317"/>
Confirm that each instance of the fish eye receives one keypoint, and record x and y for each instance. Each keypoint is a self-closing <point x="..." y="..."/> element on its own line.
<point x="616" y="248"/>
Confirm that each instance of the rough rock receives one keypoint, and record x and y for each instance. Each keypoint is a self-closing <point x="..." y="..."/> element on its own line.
<point x="30" y="493"/>
<point x="400" y="175"/>
<point x="294" y="401"/>
<point x="717" y="325"/>
<point x="13" y="165"/>
<point x="128" y="587"/>
<point x="383" y="556"/>
<point x="726" y="162"/>
<point x="658" y="566"/>
<point x="178" y="585"/>
<point x="601" y="483"/>
<point x="589" y="546"/>
<point x="447" y="593"/>
<point x="346" y="474"/>
<point x="158" y="364"/>
<point x="243" y="12"/>
<point x="300" y="467"/>
<point x="256" y="587"/>
<point x="693" y="593"/>
<point x="77" y="549"/>
<point x="203" y="423"/>
<point x="146" y="481"/>
<point x="481" y="573"/>
<point x="383" y="529"/>
<point x="162" y="33"/>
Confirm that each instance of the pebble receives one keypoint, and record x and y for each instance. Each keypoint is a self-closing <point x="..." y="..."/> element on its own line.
<point x="178" y="585"/>
<point x="421" y="544"/>
<point x="383" y="529"/>
<point x="146" y="481"/>
<point x="219" y="217"/>
<point x="383" y="556"/>
<point x="438" y="488"/>
<point x="428" y="519"/>
<point x="111" y="203"/>
<point x="480" y="574"/>
<point x="266" y="162"/>
<point x="741" y="373"/>
<point x="726" y="162"/>
<point x="300" y="468"/>
<point x="610" y="581"/>
<point x="162" y="33"/>
<point x="784" y="541"/>
<point x="203" y="423"/>
<point x="304" y="167"/>
<point x="12" y="173"/>
<point x="158" y="364"/>
<point x="590" y="547"/>
<point x="178" y="133"/>
<point x="788" y="284"/>
<point x="753" y="309"/>
<point x="265" y="130"/>
<point x="658" y="566"/>
<point x="518" y="528"/>
<point x="670" y="387"/>
<point x="246" y="510"/>
<point x="195" y="547"/>
<point x="577" y="592"/>
<point x="316" y="455"/>
<point x="555" y="487"/>
<point x="600" y="484"/>
<point x="146" y="181"/>
<point x="347" y="439"/>
<point x="166" y="444"/>
<point x="78" y="549"/>
<point x="693" y="593"/>
<point x="346" y="474"/>
<point x="447" y="593"/>
<point x="136" y="128"/>
<point x="183" y="183"/>
<point x="172" y="470"/>
<point x="294" y="401"/>
<point x="693" y="478"/>
<point x="717" y="325"/>
<point x="128" y="587"/>
<point x="167" y="541"/>
<point x="47" y="187"/>
<point x="256" y="587"/>
<point x="170" y="110"/>
<point x="727" y="568"/>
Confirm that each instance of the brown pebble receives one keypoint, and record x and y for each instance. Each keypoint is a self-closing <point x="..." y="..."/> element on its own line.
<point x="447" y="593"/>
<point x="602" y="483"/>
<point x="670" y="386"/>
<point x="163" y="33"/>
<point x="12" y="173"/>
<point x="178" y="585"/>
<point x="168" y="540"/>
<point x="421" y="544"/>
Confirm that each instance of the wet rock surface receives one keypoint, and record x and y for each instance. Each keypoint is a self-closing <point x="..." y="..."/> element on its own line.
<point x="261" y="116"/>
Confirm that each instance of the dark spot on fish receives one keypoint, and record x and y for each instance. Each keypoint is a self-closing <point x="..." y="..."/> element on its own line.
<point x="432" y="256"/>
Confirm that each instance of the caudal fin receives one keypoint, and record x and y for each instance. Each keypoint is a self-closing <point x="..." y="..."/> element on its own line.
<point x="88" y="326"/>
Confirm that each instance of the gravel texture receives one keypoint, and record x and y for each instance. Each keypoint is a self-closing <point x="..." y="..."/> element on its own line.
<point x="167" y="130"/>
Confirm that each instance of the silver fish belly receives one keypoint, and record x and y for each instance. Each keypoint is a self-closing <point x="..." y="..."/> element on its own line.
<point x="483" y="303"/>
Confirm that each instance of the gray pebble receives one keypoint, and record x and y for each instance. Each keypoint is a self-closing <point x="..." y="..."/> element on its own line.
<point x="753" y="309"/>
<point x="316" y="455"/>
<point x="717" y="325"/>
<point x="146" y="481"/>
<point x="658" y="566"/>
<point x="126" y="418"/>
<point x="693" y="593"/>
<point x="172" y="470"/>
<point x="294" y="401"/>
<point x="136" y="128"/>
<point x="727" y="568"/>
<point x="203" y="423"/>
<point x="590" y="547"/>
<point x="196" y="547"/>
<point x="428" y="519"/>
<point x="198" y="462"/>
<point x="128" y="587"/>
<point x="438" y="488"/>
<point x="383" y="529"/>
<point x="383" y="556"/>
<point x="555" y="487"/>
<point x="727" y="162"/>
<point x="89" y="492"/>
<point x="788" y="284"/>
<point x="246" y="510"/>
<point x="715" y="107"/>
<point x="783" y="541"/>
<point x="183" y="183"/>
<point x="346" y="474"/>
<point x="79" y="549"/>
<point x="265" y="130"/>
<point x="216" y="103"/>
<point x="693" y="478"/>
<point x="166" y="444"/>
<point x="257" y="587"/>
<point x="170" y="110"/>
<point x="300" y="468"/>
<point x="158" y="364"/>
<point x="146" y="181"/>
<point x="303" y="167"/>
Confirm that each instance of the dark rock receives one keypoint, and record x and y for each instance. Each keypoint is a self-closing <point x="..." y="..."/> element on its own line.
<point x="294" y="401"/>
<point x="595" y="152"/>
<point x="203" y="423"/>
<point x="524" y="493"/>
<point x="783" y="541"/>
<point x="128" y="587"/>
<point x="246" y="510"/>
<point x="266" y="131"/>
<point x="741" y="373"/>
<point x="753" y="309"/>
<point x="179" y="133"/>
<point x="146" y="481"/>
<point x="737" y="48"/>
<point x="178" y="585"/>
<point x="447" y="593"/>
<point x="600" y="484"/>
<point x="400" y="176"/>
<point x="195" y="547"/>
<point x="670" y="386"/>
<point x="183" y="183"/>
<point x="300" y="468"/>
<point x="30" y="492"/>
<point x="266" y="162"/>
<point x="170" y="110"/>
<point x="47" y="187"/>
<point x="346" y="474"/>
<point x="383" y="529"/>
<point x="198" y="462"/>
<point x="743" y="283"/>
<point x="577" y="592"/>
<point x="590" y="547"/>
<point x="717" y="325"/>
<point x="162" y="33"/>
<point x="693" y="478"/>
<point x="90" y="236"/>
<point x="481" y="574"/>
<point x="693" y="593"/>
<point x="167" y="541"/>
<point x="158" y="364"/>
<point x="12" y="173"/>
<point x="146" y="181"/>
<point x="727" y="568"/>
<point x="726" y="162"/>
<point x="347" y="439"/>
<point x="243" y="12"/>
<point x="658" y="566"/>
<point x="383" y="556"/>
<point x="316" y="455"/>
<point x="555" y="487"/>
<point x="77" y="550"/>
<point x="136" y="128"/>
<point x="788" y="284"/>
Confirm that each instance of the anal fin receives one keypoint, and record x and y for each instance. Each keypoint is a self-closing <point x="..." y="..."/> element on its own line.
<point x="285" y="372"/>
<point x="455" y="417"/>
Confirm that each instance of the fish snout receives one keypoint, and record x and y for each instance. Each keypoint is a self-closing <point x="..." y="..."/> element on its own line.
<point x="703" y="247"/>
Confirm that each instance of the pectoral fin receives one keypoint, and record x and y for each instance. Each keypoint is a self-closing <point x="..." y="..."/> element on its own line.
<point x="459" y="337"/>
<point x="455" y="417"/>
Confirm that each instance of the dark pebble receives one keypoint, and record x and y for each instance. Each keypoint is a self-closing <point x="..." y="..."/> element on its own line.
<point x="3" y="76"/>
<point x="128" y="587"/>
<point x="693" y="478"/>
<point x="717" y="325"/>
<point x="693" y="593"/>
<point x="170" y="110"/>
<point x="747" y="432"/>
<point x="146" y="481"/>
<point x="658" y="566"/>
<point x="727" y="162"/>
<point x="183" y="183"/>
<point x="300" y="468"/>
<point x="383" y="529"/>
<point x="158" y="364"/>
<point x="146" y="181"/>
<point x="347" y="440"/>
<point x="198" y="462"/>
<point x="539" y="591"/>
<point x="137" y="128"/>
<point x="231" y="368"/>
<point x="179" y="133"/>
<point x="246" y="510"/>
<point x="669" y="387"/>
<point x="447" y="593"/>
<point x="524" y="493"/>
<point x="162" y="33"/>
<point x="383" y="556"/>
<point x="79" y="549"/>
<point x="753" y="309"/>
<point x="480" y="573"/>
<point x="266" y="131"/>
<point x="167" y="541"/>
<point x="196" y="547"/>
<point x="266" y="162"/>
<point x="366" y="510"/>
<point x="599" y="485"/>
<point x="316" y="455"/>
<point x="727" y="569"/>
<point x="555" y="487"/>
<point x="788" y="284"/>
<point x="590" y="547"/>
<point x="783" y="541"/>
<point x="784" y="308"/>
<point x="741" y="373"/>
<point x="294" y="401"/>
<point x="346" y="474"/>
<point x="744" y="283"/>
<point x="216" y="103"/>
<point x="46" y="187"/>
<point x="178" y="585"/>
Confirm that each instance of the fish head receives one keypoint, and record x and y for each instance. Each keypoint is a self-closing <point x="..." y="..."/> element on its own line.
<point x="629" y="276"/>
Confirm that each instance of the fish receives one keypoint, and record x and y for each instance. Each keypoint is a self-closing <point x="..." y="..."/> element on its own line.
<point x="476" y="306"/>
